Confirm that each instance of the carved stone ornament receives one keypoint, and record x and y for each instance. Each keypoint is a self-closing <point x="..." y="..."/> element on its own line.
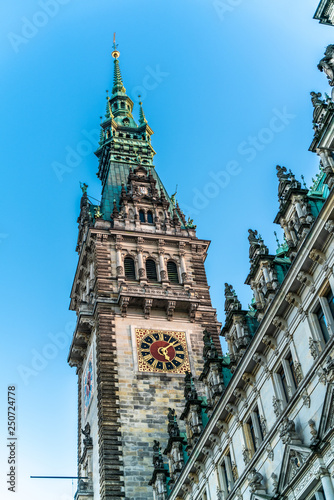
<point x="124" y="305"/>
<point x="245" y="455"/>
<point x="248" y="378"/>
<point x="255" y="479"/>
<point x="326" y="64"/>
<point x="317" y="256"/>
<point x="277" y="404"/>
<point x="293" y="299"/>
<point x="270" y="452"/>
<point x="298" y="371"/>
<point x="329" y="226"/>
<point x="306" y="399"/>
<point x="288" y="432"/>
<point x="314" y="348"/>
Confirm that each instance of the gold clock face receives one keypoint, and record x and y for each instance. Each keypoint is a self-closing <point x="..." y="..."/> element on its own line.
<point x="162" y="351"/>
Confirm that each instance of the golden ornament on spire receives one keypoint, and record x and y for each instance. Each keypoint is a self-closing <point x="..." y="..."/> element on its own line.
<point x="115" y="53"/>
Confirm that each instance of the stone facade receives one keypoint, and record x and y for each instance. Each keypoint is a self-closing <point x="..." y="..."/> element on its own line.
<point x="268" y="430"/>
<point x="325" y="12"/>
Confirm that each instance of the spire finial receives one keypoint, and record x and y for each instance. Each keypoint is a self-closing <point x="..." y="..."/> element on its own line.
<point x="277" y="240"/>
<point x="142" y="118"/>
<point x="115" y="53"/>
<point x="304" y="183"/>
<point x="118" y="82"/>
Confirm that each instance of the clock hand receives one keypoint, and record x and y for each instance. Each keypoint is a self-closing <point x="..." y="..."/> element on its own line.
<point x="163" y="352"/>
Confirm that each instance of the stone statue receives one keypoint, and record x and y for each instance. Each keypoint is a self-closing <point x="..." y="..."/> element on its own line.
<point x="281" y="172"/>
<point x="288" y="431"/>
<point x="86" y="430"/>
<point x="315" y="98"/>
<point x="255" y="479"/>
<point x="157" y="458"/>
<point x="232" y="302"/>
<point x="173" y="428"/>
<point x="83" y="187"/>
<point x="327" y="64"/>
<point x="88" y="441"/>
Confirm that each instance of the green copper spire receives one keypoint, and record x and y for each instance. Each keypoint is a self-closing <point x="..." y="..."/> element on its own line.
<point x="118" y="82"/>
<point x="142" y="118"/>
<point x="108" y="108"/>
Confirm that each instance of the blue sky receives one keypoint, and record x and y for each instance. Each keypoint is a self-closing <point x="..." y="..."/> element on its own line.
<point x="226" y="91"/>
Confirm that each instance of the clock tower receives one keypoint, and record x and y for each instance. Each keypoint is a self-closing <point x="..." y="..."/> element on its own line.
<point x="142" y="302"/>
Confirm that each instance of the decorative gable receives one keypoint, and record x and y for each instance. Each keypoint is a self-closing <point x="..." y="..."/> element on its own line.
<point x="294" y="459"/>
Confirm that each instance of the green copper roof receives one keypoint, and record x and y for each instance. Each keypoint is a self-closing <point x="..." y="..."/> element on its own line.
<point x="118" y="82"/>
<point x="118" y="174"/>
<point x="124" y="145"/>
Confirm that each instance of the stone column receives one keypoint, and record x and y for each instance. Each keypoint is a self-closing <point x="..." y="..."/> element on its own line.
<point x="141" y="268"/>
<point x="119" y="263"/>
<point x="183" y="263"/>
<point x="266" y="273"/>
<point x="299" y="209"/>
<point x="163" y="272"/>
<point x="326" y="482"/>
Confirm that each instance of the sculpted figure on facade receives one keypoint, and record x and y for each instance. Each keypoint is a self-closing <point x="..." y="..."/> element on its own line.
<point x="326" y="64"/>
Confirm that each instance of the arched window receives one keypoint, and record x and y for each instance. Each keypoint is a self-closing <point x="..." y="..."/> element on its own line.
<point x="129" y="268"/>
<point x="122" y="105"/>
<point x="141" y="215"/>
<point x="151" y="270"/>
<point x="172" y="272"/>
<point x="149" y="217"/>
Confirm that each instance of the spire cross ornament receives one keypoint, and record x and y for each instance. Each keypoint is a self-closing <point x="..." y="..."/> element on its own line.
<point x="277" y="240"/>
<point x="115" y="53"/>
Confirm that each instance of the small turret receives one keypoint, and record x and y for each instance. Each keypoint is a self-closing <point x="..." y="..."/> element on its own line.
<point x="239" y="328"/>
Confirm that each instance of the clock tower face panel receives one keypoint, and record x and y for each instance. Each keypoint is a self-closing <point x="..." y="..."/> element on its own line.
<point x="162" y="351"/>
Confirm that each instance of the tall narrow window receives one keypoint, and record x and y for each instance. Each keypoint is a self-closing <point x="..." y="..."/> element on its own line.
<point x="253" y="431"/>
<point x="323" y="324"/>
<point x="151" y="270"/>
<point x="292" y="371"/>
<point x="149" y="217"/>
<point x="141" y="215"/>
<point x="129" y="268"/>
<point x="172" y="272"/>
<point x="284" y="383"/>
<point x="226" y="474"/>
<point x="330" y="300"/>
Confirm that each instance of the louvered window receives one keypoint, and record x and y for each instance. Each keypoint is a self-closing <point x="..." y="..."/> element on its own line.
<point x="141" y="216"/>
<point x="150" y="217"/>
<point x="129" y="268"/>
<point x="172" y="272"/>
<point x="151" y="270"/>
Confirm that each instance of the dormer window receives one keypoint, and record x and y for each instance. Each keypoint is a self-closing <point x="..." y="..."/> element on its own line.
<point x="141" y="215"/>
<point x="172" y="272"/>
<point x="151" y="270"/>
<point x="129" y="268"/>
<point x="149" y="217"/>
